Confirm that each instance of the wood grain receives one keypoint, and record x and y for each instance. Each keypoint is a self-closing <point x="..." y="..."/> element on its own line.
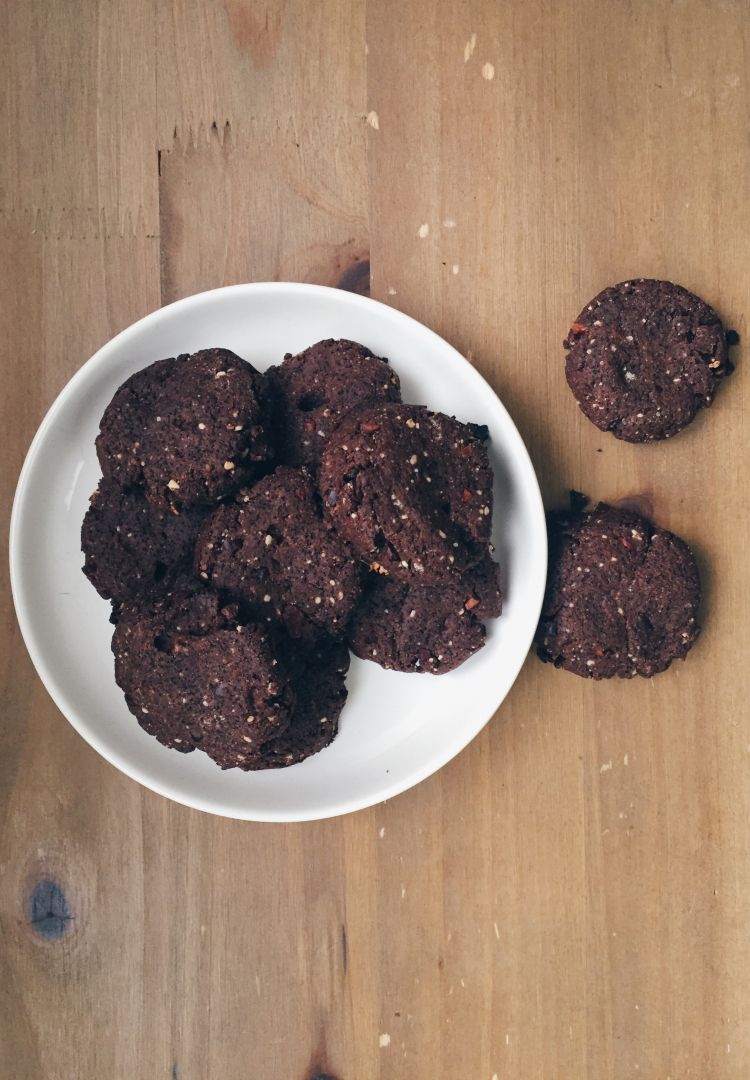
<point x="568" y="898"/>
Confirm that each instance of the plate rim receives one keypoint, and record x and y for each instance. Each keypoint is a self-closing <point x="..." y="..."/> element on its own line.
<point x="532" y="495"/>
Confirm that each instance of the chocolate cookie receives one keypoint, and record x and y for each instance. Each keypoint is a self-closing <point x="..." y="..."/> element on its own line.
<point x="643" y="357"/>
<point x="318" y="678"/>
<point x="120" y="438"/>
<point x="408" y="627"/>
<point x="410" y="489"/>
<point x="622" y="595"/>
<point x="131" y="547"/>
<point x="273" y="550"/>
<point x="318" y="386"/>
<point x="192" y="429"/>
<point x="194" y="677"/>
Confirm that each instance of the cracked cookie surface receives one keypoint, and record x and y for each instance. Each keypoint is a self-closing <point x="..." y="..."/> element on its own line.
<point x="192" y="430"/>
<point x="318" y="386"/>
<point x="318" y="676"/>
<point x="424" y="628"/>
<point x="622" y="595"/>
<point x="410" y="489"/>
<point x="274" y="550"/>
<point x="195" y="678"/>
<point x="131" y="547"/>
<point x="643" y="357"/>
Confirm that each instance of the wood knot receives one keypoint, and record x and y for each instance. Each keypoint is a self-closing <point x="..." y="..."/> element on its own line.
<point x="356" y="279"/>
<point x="50" y="914"/>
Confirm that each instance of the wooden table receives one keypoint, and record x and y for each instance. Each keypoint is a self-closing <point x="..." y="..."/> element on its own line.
<point x="570" y="897"/>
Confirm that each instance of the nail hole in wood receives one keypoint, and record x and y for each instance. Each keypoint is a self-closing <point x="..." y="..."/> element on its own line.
<point x="637" y="504"/>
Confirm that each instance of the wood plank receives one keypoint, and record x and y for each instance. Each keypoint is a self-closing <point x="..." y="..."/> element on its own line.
<point x="243" y="206"/>
<point x="78" y="89"/>
<point x="550" y="152"/>
<point x="263" y="171"/>
<point x="68" y="816"/>
<point x="265" y="179"/>
<point x="270" y="62"/>
<point x="20" y="300"/>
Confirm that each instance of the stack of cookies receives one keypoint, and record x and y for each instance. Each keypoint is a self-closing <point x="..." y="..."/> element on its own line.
<point x="249" y="528"/>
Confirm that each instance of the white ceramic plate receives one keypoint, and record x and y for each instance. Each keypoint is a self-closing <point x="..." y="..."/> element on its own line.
<point x="396" y="729"/>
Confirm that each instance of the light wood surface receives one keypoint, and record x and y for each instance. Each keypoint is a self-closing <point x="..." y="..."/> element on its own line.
<point x="569" y="899"/>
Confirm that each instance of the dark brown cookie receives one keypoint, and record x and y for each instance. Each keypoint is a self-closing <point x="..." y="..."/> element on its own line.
<point x="318" y="386"/>
<point x="195" y="678"/>
<point x="120" y="438"/>
<point x="622" y="595"/>
<point x="408" y="627"/>
<point x="643" y="357"/>
<point x="274" y="550"/>
<point x="130" y="547"/>
<point x="192" y="429"/>
<point x="410" y="489"/>
<point x="318" y="676"/>
<point x="210" y="434"/>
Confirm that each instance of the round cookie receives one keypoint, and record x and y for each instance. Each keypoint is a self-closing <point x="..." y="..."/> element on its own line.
<point x="622" y="595"/>
<point x="643" y="357"/>
<point x="410" y="489"/>
<point x="274" y="551"/>
<point x="194" y="429"/>
<point x="318" y="386"/>
<point x="195" y="678"/>
<point x="318" y="675"/>
<point x="129" y="546"/>
<point x="118" y="443"/>
<point x="210" y="434"/>
<point x="407" y="627"/>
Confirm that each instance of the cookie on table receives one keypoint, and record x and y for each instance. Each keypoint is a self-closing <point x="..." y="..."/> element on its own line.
<point x="318" y="676"/>
<point x="129" y="546"/>
<point x="622" y="595"/>
<point x="196" y="678"/>
<point x="273" y="550"/>
<point x="193" y="430"/>
<point x="318" y="386"/>
<point x="643" y="357"/>
<point x="406" y="627"/>
<point x="410" y="489"/>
